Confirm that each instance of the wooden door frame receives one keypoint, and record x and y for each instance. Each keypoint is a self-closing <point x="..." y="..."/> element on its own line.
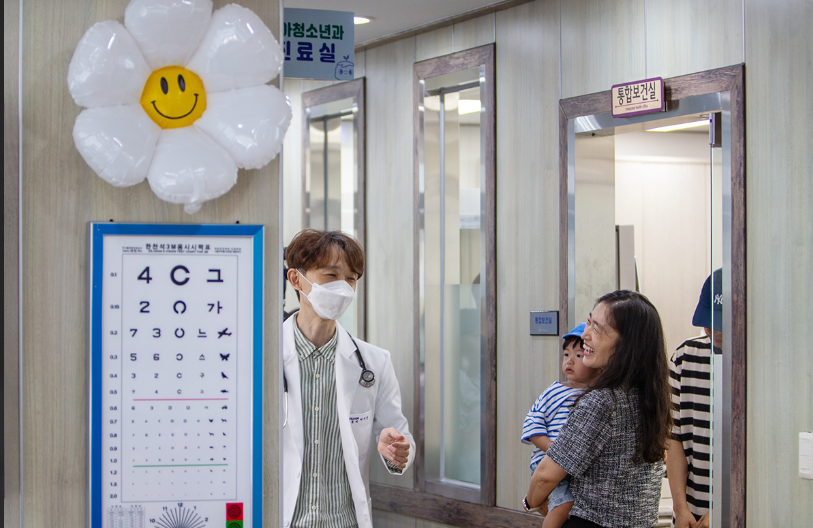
<point x="728" y="80"/>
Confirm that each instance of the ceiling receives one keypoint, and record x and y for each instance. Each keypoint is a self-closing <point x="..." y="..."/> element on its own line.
<point x="392" y="16"/>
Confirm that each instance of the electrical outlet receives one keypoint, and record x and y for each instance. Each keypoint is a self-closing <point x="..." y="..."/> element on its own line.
<point x="806" y="455"/>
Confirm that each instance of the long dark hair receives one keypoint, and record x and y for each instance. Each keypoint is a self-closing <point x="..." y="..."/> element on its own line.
<point x="640" y="361"/>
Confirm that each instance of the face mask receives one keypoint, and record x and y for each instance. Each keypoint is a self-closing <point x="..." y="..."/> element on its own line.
<point x="330" y="300"/>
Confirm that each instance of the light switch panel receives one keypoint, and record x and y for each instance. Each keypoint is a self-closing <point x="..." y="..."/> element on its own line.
<point x="806" y="455"/>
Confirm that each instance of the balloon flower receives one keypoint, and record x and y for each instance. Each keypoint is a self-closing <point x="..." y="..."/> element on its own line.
<point x="178" y="95"/>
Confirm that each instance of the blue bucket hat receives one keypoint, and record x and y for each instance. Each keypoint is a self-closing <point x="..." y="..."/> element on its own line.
<point x="702" y="314"/>
<point x="576" y="332"/>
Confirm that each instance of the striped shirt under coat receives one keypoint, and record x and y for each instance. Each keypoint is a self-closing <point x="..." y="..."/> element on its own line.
<point x="325" y="500"/>
<point x="362" y="413"/>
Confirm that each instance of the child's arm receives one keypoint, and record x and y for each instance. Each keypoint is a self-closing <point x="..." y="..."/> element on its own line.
<point x="541" y="441"/>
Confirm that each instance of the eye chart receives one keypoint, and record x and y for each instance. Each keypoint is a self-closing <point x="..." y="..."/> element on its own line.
<point x="176" y="376"/>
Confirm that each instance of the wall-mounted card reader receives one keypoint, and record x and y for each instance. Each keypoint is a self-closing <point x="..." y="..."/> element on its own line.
<point x="545" y="323"/>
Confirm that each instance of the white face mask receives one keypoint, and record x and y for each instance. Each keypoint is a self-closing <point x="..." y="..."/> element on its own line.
<point x="330" y="300"/>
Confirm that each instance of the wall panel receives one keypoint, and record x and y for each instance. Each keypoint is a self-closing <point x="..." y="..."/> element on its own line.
<point x="602" y="44"/>
<point x="11" y="145"/>
<point x="780" y="247"/>
<point x="390" y="313"/>
<point x="475" y="32"/>
<point x="382" y="519"/>
<point x="434" y="43"/>
<point x="691" y="36"/>
<point x="359" y="64"/>
<point x="60" y="195"/>
<point x="292" y="165"/>
<point x="527" y="226"/>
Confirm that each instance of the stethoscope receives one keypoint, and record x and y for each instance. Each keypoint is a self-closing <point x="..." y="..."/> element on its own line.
<point x="367" y="379"/>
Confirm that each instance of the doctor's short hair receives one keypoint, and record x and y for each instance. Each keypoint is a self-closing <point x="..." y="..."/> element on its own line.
<point x="314" y="249"/>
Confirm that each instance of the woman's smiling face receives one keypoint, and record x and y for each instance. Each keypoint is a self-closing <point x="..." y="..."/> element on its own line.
<point x="600" y="339"/>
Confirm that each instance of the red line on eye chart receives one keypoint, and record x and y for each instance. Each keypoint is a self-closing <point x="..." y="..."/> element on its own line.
<point x="180" y="399"/>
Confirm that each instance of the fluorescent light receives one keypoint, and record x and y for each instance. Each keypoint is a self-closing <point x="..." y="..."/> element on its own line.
<point x="682" y="126"/>
<point x="361" y="20"/>
<point x="468" y="106"/>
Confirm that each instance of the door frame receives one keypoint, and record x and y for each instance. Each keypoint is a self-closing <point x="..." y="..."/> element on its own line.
<point x="729" y="83"/>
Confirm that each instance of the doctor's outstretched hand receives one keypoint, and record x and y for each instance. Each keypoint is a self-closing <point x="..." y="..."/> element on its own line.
<point x="394" y="446"/>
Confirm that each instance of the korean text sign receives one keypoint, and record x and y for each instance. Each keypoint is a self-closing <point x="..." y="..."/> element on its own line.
<point x="318" y="44"/>
<point x="639" y="97"/>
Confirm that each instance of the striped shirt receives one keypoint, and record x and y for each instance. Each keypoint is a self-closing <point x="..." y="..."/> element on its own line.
<point x="548" y="415"/>
<point x="690" y="377"/>
<point x="325" y="499"/>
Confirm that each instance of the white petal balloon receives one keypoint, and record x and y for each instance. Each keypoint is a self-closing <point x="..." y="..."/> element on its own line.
<point x="107" y="67"/>
<point x="178" y="95"/>
<point x="190" y="168"/>
<point x="249" y="123"/>
<point x="167" y="31"/>
<point x="117" y="142"/>
<point x="237" y="51"/>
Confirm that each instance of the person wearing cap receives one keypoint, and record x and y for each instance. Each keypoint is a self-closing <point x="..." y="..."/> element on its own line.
<point x="688" y="464"/>
<point x="549" y="414"/>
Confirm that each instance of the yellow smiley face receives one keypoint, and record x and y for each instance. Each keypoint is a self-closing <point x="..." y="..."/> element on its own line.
<point x="173" y="97"/>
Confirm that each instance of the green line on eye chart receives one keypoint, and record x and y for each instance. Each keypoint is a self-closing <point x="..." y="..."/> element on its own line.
<point x="181" y="465"/>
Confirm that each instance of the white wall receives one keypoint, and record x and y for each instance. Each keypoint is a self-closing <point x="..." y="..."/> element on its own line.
<point x="663" y="189"/>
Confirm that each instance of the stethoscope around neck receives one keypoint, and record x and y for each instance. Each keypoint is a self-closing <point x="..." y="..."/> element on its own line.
<point x="367" y="379"/>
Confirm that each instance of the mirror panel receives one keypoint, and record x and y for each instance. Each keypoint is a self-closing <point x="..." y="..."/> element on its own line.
<point x="333" y="171"/>
<point x="455" y="260"/>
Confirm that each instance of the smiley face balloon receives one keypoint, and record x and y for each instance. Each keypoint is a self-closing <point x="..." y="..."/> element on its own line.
<point x="178" y="95"/>
<point x="173" y="97"/>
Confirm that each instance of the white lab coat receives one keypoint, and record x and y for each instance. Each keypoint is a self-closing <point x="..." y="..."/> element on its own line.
<point x="379" y="404"/>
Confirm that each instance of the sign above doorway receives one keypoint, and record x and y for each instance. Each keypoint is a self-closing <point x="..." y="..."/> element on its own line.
<point x="639" y="97"/>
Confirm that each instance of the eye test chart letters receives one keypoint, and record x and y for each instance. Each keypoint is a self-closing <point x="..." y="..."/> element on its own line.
<point x="176" y="375"/>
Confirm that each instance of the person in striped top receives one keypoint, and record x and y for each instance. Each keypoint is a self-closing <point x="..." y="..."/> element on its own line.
<point x="549" y="414"/>
<point x="688" y="464"/>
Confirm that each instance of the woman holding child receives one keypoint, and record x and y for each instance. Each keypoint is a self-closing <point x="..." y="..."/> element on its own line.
<point x="614" y="441"/>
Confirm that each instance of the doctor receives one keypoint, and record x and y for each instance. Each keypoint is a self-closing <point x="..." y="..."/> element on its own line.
<point x="340" y="391"/>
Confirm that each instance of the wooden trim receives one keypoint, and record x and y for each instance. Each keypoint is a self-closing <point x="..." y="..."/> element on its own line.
<point x="448" y="511"/>
<point x="461" y="60"/>
<point x="739" y="314"/>
<point x="563" y="322"/>
<point x="728" y="79"/>
<point x="444" y="22"/>
<point x="719" y="80"/>
<point x="334" y="92"/>
<point x="351" y="89"/>
<point x="488" y="323"/>
<point x="483" y="55"/>
<point x="417" y="387"/>
<point x="11" y="267"/>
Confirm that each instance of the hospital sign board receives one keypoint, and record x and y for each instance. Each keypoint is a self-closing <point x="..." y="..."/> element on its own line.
<point x="318" y="44"/>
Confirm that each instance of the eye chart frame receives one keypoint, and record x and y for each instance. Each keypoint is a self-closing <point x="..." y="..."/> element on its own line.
<point x="116" y="250"/>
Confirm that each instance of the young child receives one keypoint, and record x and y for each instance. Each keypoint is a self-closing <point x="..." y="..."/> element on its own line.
<point x="549" y="414"/>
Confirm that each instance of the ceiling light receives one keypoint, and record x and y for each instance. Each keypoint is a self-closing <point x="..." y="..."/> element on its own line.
<point x="361" y="20"/>
<point x="468" y="106"/>
<point x="682" y="126"/>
